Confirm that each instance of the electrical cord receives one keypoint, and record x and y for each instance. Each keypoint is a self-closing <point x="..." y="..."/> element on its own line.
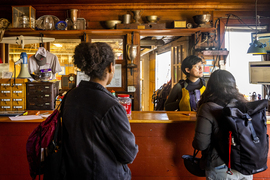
<point x="227" y="21"/>
<point x="241" y="21"/>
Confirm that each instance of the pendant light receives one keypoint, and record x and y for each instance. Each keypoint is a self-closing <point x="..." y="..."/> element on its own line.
<point x="256" y="47"/>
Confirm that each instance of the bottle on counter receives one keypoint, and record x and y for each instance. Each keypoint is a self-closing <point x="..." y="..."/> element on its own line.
<point x="113" y="92"/>
<point x="125" y="101"/>
<point x="254" y="96"/>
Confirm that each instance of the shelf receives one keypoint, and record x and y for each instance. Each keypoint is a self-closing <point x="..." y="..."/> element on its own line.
<point x="142" y="32"/>
<point x="215" y="52"/>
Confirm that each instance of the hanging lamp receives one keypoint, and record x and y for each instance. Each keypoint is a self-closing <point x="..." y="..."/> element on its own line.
<point x="256" y="47"/>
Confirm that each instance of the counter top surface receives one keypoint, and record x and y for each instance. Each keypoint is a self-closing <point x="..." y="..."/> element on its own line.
<point x="136" y="116"/>
<point x="139" y="117"/>
<point x="162" y="116"/>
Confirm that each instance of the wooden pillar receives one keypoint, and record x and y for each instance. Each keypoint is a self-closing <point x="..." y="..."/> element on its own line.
<point x="152" y="77"/>
<point x="133" y="78"/>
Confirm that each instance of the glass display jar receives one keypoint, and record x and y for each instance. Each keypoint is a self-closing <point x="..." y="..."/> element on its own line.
<point x="125" y="101"/>
<point x="23" y="17"/>
<point x="45" y="74"/>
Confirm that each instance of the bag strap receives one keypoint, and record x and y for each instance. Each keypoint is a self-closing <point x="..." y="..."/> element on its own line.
<point x="195" y="153"/>
<point x="58" y="128"/>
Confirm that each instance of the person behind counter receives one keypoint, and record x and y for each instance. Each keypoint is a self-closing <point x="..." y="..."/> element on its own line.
<point x="221" y="89"/>
<point x="186" y="93"/>
<point x="98" y="142"/>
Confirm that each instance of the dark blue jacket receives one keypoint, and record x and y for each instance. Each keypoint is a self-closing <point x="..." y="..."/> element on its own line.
<point x="98" y="142"/>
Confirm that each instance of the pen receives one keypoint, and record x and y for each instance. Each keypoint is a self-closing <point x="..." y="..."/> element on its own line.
<point x="186" y="114"/>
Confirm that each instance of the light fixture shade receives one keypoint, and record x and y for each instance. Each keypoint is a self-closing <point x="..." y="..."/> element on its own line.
<point x="256" y="48"/>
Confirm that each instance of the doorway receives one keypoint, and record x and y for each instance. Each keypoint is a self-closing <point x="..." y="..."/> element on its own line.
<point x="163" y="69"/>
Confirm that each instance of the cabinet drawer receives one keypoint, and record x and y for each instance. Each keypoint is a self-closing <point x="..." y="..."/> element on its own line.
<point x="40" y="106"/>
<point x="39" y="89"/>
<point x="5" y="101"/>
<point x="5" y="108"/>
<point x="18" y="86"/>
<point x="17" y="108"/>
<point x="5" y="86"/>
<point x="43" y="97"/>
<point x="5" y="93"/>
<point x="17" y="94"/>
<point x="18" y="102"/>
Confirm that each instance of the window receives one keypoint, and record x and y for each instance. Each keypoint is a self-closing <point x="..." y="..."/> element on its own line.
<point x="237" y="61"/>
<point x="163" y="69"/>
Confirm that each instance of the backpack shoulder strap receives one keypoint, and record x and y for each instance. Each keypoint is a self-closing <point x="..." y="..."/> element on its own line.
<point x="202" y="81"/>
<point x="183" y="83"/>
<point x="59" y="123"/>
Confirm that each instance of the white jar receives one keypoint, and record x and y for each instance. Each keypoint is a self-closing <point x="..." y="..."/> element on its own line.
<point x="125" y="101"/>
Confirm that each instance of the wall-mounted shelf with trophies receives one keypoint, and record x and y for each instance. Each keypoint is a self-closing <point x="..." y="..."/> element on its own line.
<point x="142" y="32"/>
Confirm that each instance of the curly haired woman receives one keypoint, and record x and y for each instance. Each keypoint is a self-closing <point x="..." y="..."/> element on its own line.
<point x="98" y="142"/>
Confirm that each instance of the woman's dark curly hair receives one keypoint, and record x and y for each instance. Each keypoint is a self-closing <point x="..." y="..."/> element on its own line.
<point x="188" y="62"/>
<point x="221" y="87"/>
<point x="93" y="58"/>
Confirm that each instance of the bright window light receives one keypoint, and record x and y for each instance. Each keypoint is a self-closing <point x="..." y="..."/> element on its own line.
<point x="238" y="60"/>
<point x="163" y="69"/>
<point x="58" y="45"/>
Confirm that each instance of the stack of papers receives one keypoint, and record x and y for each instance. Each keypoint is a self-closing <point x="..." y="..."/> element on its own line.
<point x="24" y="118"/>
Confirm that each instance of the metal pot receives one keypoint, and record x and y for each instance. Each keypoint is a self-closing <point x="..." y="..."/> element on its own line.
<point x="202" y="19"/>
<point x="112" y="23"/>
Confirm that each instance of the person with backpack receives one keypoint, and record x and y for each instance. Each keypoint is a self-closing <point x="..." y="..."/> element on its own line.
<point x="97" y="138"/>
<point x="186" y="93"/>
<point x="221" y="90"/>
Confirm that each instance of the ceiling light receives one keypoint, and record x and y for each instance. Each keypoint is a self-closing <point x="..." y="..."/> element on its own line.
<point x="256" y="47"/>
<point x="58" y="45"/>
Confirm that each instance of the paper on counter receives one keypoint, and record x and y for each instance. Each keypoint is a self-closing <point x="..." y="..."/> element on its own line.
<point x="24" y="118"/>
<point x="45" y="115"/>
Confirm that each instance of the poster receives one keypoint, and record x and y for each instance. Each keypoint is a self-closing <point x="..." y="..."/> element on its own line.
<point x="117" y="78"/>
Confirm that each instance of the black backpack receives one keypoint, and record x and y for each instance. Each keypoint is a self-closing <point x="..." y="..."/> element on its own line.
<point x="242" y="141"/>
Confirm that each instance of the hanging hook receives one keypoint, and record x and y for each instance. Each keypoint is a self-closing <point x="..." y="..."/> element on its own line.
<point x="132" y="34"/>
<point x="41" y="38"/>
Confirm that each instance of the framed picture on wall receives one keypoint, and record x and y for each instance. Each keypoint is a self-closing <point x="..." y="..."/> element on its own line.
<point x="119" y="81"/>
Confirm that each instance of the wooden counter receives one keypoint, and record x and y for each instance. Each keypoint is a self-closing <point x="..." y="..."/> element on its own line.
<point x="162" y="137"/>
<point x="162" y="116"/>
<point x="136" y="116"/>
<point x="141" y="116"/>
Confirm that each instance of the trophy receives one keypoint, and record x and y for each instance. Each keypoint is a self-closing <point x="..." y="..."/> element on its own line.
<point x="132" y="54"/>
<point x="73" y="16"/>
<point x="137" y="16"/>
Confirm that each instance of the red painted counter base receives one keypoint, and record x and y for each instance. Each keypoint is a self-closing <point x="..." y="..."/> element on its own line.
<point x="161" y="146"/>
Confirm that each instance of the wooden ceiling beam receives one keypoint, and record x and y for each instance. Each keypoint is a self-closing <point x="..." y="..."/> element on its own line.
<point x="211" y="6"/>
